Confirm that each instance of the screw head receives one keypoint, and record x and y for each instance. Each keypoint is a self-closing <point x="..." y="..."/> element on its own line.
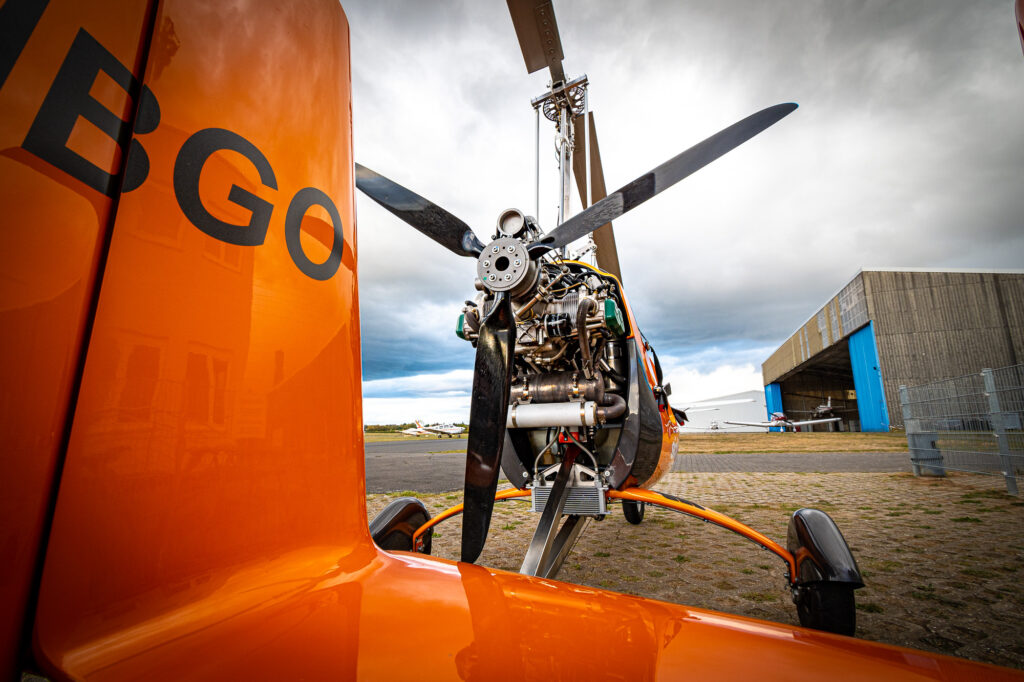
<point x="517" y="262"/>
<point x="494" y="249"/>
<point x="487" y="263"/>
<point x="508" y="277"/>
<point x="510" y="248"/>
<point x="490" y="278"/>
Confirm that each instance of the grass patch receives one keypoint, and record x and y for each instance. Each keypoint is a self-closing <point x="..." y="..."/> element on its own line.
<point x="680" y="559"/>
<point x="966" y="519"/>
<point x="978" y="573"/>
<point x="602" y="554"/>
<point x="729" y="443"/>
<point x="760" y="597"/>
<point x="868" y="607"/>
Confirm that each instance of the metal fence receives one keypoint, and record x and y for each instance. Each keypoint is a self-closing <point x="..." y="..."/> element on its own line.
<point x="972" y="423"/>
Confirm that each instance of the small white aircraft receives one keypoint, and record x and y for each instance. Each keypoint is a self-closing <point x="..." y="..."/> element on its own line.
<point x="779" y="420"/>
<point x="450" y="430"/>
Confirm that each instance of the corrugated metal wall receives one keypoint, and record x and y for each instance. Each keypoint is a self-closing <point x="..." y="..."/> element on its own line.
<point x="937" y="325"/>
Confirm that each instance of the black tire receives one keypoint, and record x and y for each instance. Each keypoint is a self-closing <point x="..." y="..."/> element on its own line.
<point x="633" y="511"/>
<point x="393" y="527"/>
<point x="828" y="606"/>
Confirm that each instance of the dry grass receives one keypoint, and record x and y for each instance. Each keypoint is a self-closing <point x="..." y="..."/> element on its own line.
<point x="743" y="443"/>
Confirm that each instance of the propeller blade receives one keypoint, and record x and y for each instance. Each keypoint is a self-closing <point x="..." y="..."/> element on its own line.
<point x="423" y="214"/>
<point x="661" y="178"/>
<point x="604" y="236"/>
<point x="538" y="36"/>
<point x="487" y="413"/>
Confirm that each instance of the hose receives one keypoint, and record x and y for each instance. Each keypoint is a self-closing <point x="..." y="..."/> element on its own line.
<point x="587" y="305"/>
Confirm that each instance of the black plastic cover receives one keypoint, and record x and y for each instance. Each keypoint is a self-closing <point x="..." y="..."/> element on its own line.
<point x="820" y="550"/>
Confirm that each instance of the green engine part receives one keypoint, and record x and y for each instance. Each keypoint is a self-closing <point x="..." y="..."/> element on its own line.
<point x="613" y="317"/>
<point x="460" y="327"/>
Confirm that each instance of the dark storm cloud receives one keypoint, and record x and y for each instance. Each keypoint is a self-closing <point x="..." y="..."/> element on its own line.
<point x="907" y="150"/>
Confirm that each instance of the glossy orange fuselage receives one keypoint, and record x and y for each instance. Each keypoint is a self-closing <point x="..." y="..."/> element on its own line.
<point x="183" y="483"/>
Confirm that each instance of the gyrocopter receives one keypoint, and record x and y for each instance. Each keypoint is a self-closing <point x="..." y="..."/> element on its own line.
<point x="568" y="397"/>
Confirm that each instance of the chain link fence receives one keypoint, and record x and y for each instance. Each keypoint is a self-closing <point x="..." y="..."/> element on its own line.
<point x="972" y="423"/>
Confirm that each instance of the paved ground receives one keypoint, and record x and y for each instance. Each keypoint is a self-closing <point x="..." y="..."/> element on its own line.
<point x="943" y="559"/>
<point x="424" y="466"/>
<point x="415" y="465"/>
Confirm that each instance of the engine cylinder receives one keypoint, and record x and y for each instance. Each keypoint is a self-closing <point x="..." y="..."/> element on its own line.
<point x="541" y="415"/>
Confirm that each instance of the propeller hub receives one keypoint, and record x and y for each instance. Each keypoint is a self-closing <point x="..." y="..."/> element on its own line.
<point x="504" y="265"/>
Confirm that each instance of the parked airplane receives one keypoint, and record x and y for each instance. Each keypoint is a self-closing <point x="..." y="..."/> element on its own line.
<point x="779" y="420"/>
<point x="450" y="430"/>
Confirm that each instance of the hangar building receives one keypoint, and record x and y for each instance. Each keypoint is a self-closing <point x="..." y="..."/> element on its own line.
<point x="893" y="326"/>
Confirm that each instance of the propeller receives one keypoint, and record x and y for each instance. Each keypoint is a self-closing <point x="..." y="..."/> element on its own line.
<point x="493" y="367"/>
<point x="661" y="178"/>
<point x="538" y="36"/>
<point x="487" y="413"/>
<point x="495" y="345"/>
<point x="604" y="237"/>
<point x="423" y="214"/>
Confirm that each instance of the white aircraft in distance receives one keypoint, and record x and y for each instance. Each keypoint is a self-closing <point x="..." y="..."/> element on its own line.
<point x="711" y="405"/>
<point x="780" y="420"/>
<point x="450" y="430"/>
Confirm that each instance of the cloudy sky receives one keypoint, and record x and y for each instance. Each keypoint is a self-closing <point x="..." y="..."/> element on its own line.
<point x="907" y="150"/>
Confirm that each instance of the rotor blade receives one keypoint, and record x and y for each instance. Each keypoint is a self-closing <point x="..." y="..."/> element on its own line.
<point x="538" y="36"/>
<point x="423" y="214"/>
<point x="487" y="413"/>
<point x="661" y="178"/>
<point x="604" y="237"/>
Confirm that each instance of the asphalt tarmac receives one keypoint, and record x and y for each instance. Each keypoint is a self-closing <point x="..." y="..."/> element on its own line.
<point x="424" y="466"/>
<point x="419" y="465"/>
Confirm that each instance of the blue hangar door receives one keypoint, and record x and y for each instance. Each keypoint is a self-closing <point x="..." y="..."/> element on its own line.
<point x="867" y="380"/>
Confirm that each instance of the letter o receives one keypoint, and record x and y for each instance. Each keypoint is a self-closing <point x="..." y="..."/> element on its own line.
<point x="301" y="203"/>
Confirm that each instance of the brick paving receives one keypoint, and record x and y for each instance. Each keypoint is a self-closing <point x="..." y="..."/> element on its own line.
<point x="942" y="558"/>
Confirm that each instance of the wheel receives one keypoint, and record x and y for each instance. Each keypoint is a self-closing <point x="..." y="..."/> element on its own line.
<point x="827" y="606"/>
<point x="633" y="511"/>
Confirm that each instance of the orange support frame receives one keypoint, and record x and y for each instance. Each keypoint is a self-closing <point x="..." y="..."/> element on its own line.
<point x="651" y="497"/>
<point x="507" y="494"/>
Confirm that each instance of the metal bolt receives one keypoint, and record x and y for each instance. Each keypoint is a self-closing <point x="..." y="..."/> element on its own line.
<point x="517" y="262"/>
<point x="508" y="277"/>
<point x="510" y="248"/>
<point x="494" y="249"/>
<point x="490" y="278"/>
<point x="487" y="263"/>
<point x="526" y="474"/>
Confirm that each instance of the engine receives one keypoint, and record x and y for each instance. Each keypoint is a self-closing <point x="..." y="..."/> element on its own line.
<point x="572" y="363"/>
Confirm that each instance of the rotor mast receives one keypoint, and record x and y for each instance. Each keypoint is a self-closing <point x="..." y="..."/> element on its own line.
<point x="563" y="102"/>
